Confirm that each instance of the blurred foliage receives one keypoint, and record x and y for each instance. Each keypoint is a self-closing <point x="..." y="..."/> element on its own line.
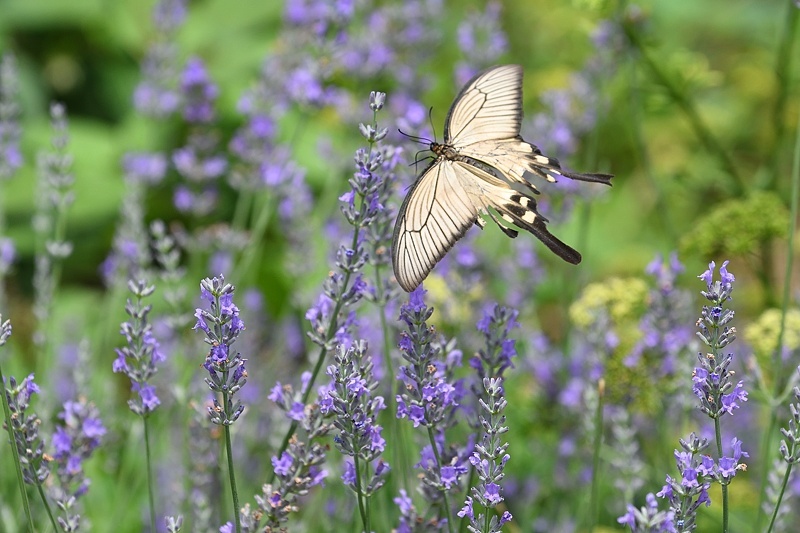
<point x="734" y="227"/>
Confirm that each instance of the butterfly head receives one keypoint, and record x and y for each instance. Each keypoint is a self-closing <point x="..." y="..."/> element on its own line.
<point x="443" y="150"/>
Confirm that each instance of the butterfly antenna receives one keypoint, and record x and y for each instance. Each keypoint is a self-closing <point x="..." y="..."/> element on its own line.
<point x="430" y="119"/>
<point x="414" y="138"/>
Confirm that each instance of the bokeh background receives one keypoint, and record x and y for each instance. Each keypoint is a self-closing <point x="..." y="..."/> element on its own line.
<point x="693" y="106"/>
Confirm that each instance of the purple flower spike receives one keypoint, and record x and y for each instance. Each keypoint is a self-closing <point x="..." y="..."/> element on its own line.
<point x="355" y="409"/>
<point x="489" y="459"/>
<point x="138" y="359"/>
<point x="222" y="325"/>
<point x="10" y="130"/>
<point x="74" y="442"/>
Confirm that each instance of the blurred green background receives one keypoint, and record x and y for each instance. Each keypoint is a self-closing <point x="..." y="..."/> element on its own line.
<point x="721" y="56"/>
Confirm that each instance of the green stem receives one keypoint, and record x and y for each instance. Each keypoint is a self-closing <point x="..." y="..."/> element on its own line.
<point x="786" y="476"/>
<point x="723" y="482"/>
<point x="241" y="213"/>
<point x="661" y="209"/>
<point x="462" y="526"/>
<point x="360" y="495"/>
<point x="334" y="325"/>
<point x="782" y="73"/>
<point x="231" y="471"/>
<point x="2" y="232"/>
<point x="46" y="505"/>
<point x="15" y="453"/>
<point x="594" y="506"/>
<point x="787" y="276"/>
<point x="150" y="492"/>
<point x="387" y="346"/>
<point x="766" y="453"/>
<point x="700" y="128"/>
<point x="764" y="273"/>
<point x="436" y="454"/>
<point x="256" y="237"/>
<point x="398" y="452"/>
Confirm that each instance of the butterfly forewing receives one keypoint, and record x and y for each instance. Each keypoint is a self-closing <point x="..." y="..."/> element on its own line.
<point x="488" y="108"/>
<point x="435" y="214"/>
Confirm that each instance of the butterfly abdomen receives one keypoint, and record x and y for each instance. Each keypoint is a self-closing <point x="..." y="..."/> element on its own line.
<point x="451" y="153"/>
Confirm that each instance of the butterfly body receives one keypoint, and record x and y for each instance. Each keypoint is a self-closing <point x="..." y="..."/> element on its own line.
<point x="481" y="169"/>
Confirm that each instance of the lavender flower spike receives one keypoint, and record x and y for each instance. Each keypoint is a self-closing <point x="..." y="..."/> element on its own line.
<point x="139" y="358"/>
<point x="429" y="399"/>
<point x="713" y="381"/>
<point x="356" y="411"/>
<point x="648" y="519"/>
<point x="25" y="427"/>
<point x="74" y="442"/>
<point x="5" y="330"/>
<point x="222" y="326"/>
<point x="718" y="394"/>
<point x="226" y="372"/>
<point x="489" y="460"/>
<point x="10" y="154"/>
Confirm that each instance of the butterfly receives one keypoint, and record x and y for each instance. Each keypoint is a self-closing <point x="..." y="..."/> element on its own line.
<point x="481" y="169"/>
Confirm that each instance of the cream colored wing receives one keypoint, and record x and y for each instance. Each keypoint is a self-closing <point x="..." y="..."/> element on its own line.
<point x="489" y="107"/>
<point x="436" y="212"/>
<point x="516" y="157"/>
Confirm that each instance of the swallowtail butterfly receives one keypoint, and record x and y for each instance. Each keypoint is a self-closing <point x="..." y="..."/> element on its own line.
<point x="481" y="169"/>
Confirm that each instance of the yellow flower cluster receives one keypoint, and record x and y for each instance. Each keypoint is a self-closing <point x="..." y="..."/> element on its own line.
<point x="624" y="300"/>
<point x="762" y="334"/>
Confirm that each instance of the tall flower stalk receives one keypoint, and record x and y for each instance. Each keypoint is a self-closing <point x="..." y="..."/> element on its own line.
<point x="297" y="469"/>
<point x="713" y="381"/>
<point x="718" y="394"/>
<point x="359" y="436"/>
<point x="157" y="93"/>
<point x="489" y="460"/>
<point x="74" y="442"/>
<point x="345" y="287"/>
<point x="55" y="196"/>
<point x="378" y="235"/>
<point x="23" y="427"/>
<point x="138" y="360"/>
<point x="226" y="371"/>
<point x="790" y="452"/>
<point x="5" y="333"/>
<point x="429" y="399"/>
<point x="10" y="154"/>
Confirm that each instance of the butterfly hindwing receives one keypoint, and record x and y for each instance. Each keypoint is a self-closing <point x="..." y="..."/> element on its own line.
<point x="514" y="206"/>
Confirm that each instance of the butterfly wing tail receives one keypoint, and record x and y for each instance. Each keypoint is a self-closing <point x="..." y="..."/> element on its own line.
<point x="592" y="177"/>
<point x="549" y="168"/>
<point x="520" y="210"/>
<point x="558" y="247"/>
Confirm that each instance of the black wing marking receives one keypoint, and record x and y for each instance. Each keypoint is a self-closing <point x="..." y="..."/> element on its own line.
<point x="515" y="207"/>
